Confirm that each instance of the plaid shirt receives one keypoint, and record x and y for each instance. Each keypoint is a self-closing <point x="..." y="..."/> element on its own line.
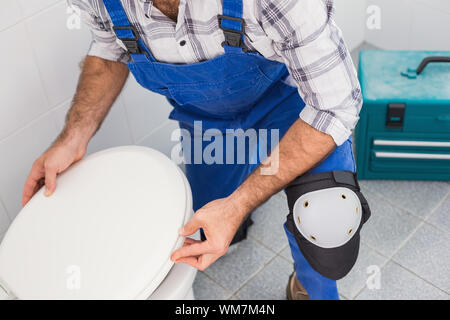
<point x="299" y="33"/>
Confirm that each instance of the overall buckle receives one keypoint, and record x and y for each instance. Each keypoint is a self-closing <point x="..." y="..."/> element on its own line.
<point x="132" y="44"/>
<point x="233" y="38"/>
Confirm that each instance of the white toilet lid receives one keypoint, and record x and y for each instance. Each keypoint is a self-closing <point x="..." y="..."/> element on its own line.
<point x="106" y="233"/>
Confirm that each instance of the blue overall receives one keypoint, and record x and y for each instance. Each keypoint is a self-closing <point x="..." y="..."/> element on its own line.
<point x="237" y="90"/>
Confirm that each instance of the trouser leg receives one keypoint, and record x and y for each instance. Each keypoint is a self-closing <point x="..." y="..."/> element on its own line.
<point x="317" y="286"/>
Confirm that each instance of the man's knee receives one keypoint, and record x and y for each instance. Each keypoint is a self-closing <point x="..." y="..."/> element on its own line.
<point x="326" y="213"/>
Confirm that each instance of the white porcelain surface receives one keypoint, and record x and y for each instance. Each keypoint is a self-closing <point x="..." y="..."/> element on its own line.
<point x="113" y="220"/>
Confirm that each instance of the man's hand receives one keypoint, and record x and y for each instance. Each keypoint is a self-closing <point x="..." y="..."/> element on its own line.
<point x="53" y="162"/>
<point x="220" y="219"/>
<point x="301" y="148"/>
<point x="99" y="85"/>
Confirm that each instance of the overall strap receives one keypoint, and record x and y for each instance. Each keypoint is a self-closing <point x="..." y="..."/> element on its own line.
<point x="233" y="27"/>
<point x="126" y="32"/>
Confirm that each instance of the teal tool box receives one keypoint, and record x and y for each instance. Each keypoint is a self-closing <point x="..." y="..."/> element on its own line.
<point x="404" y="130"/>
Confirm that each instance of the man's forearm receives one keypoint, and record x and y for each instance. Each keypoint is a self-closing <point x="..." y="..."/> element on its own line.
<point x="299" y="150"/>
<point x="99" y="85"/>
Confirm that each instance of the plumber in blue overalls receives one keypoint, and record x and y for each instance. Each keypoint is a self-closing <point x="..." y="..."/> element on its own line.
<point x="244" y="90"/>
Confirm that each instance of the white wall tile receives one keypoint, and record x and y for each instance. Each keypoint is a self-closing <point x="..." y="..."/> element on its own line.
<point x="430" y="28"/>
<point x="145" y="109"/>
<point x="1" y="237"/>
<point x="4" y="220"/>
<point x="10" y="13"/>
<point x="59" y="51"/>
<point x="30" y="7"/>
<point x="396" y="17"/>
<point x="160" y="139"/>
<point x="18" y="154"/>
<point x="350" y="16"/>
<point x="114" y="130"/>
<point x="441" y="5"/>
<point x="22" y="96"/>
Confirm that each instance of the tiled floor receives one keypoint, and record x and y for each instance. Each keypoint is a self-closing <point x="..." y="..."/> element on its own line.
<point x="407" y="238"/>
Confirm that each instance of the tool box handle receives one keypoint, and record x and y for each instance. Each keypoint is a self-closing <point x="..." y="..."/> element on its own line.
<point x="427" y="60"/>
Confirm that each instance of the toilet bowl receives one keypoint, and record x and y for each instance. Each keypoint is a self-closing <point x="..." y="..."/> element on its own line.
<point x="106" y="233"/>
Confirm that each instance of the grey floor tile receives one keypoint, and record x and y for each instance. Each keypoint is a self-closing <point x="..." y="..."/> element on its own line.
<point x="418" y="197"/>
<point x="355" y="281"/>
<point x="1" y="237"/>
<point x="233" y="269"/>
<point x="268" y="284"/>
<point x="399" y="284"/>
<point x="355" y="52"/>
<point x="441" y="216"/>
<point x="427" y="254"/>
<point x="388" y="226"/>
<point x="206" y="289"/>
<point x="286" y="253"/>
<point x="269" y="220"/>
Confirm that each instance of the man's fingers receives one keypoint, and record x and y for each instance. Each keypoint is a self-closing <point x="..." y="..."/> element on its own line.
<point x="189" y="250"/>
<point x="50" y="180"/>
<point x="30" y="185"/>
<point x="191" y="227"/>
<point x="190" y="241"/>
<point x="200" y="263"/>
<point x="192" y="261"/>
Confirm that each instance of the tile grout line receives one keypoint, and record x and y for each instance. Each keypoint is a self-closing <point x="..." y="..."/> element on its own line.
<point x="390" y="259"/>
<point x="254" y="275"/>
<point x="162" y="125"/>
<point x="33" y="121"/>
<point x="425" y="280"/>
<point x="395" y="205"/>
<point x="251" y="276"/>
<point x="419" y="226"/>
<point x="218" y="284"/>
<point x="265" y="246"/>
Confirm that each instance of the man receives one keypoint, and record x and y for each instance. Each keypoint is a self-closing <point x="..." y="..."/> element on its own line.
<point x="236" y="64"/>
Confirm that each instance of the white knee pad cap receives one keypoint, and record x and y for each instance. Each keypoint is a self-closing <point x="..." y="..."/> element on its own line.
<point x="329" y="217"/>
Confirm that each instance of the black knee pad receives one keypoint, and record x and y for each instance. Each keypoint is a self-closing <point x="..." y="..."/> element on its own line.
<point x="326" y="213"/>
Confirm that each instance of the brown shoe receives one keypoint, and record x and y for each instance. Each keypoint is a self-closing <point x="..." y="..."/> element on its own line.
<point x="295" y="290"/>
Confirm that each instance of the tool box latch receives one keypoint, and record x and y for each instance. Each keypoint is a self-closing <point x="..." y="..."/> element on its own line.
<point x="395" y="115"/>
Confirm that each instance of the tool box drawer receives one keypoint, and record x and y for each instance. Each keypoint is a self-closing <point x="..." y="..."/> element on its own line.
<point x="409" y="159"/>
<point x="404" y="127"/>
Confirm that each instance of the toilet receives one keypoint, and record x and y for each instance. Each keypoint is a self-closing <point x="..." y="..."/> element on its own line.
<point x="106" y="233"/>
